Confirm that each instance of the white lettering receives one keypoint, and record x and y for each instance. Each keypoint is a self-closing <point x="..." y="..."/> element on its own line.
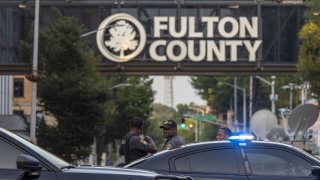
<point x="170" y="51"/>
<point x="205" y="48"/>
<point x="252" y="49"/>
<point x="158" y="26"/>
<point x="183" y="27"/>
<point x="252" y="28"/>
<point x="153" y="50"/>
<point x="201" y="48"/>
<point x="192" y="29"/>
<point x="222" y="27"/>
<point x="220" y="52"/>
<point x="233" y="49"/>
<point x="210" y="25"/>
<point x="209" y="50"/>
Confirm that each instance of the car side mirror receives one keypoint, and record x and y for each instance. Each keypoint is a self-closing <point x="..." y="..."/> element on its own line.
<point x="29" y="164"/>
<point x="315" y="171"/>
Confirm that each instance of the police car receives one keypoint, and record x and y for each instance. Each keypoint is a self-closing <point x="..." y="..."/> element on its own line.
<point x="20" y="159"/>
<point x="241" y="157"/>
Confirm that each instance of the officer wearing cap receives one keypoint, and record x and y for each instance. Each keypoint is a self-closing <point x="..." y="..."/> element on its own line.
<point x="133" y="146"/>
<point x="173" y="140"/>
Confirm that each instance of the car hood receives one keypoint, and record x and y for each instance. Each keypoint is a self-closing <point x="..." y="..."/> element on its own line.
<point x="111" y="170"/>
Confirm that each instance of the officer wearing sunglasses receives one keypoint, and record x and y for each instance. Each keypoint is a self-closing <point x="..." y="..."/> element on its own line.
<point x="173" y="140"/>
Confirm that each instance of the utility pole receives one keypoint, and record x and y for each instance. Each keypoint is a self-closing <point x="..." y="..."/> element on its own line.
<point x="235" y="115"/>
<point x="34" y="73"/>
<point x="273" y="95"/>
<point x="250" y="97"/>
<point x="244" y="104"/>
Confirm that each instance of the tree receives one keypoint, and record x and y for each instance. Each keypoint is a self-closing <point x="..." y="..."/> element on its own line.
<point x="127" y="102"/>
<point x="74" y="93"/>
<point x="216" y="93"/>
<point x="309" y="52"/>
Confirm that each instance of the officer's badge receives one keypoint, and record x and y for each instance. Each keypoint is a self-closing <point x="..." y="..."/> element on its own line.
<point x="168" y="146"/>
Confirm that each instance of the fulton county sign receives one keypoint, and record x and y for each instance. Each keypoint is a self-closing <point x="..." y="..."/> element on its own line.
<point x="122" y="38"/>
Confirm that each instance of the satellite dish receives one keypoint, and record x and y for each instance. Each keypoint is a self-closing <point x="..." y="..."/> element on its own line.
<point x="301" y="118"/>
<point x="262" y="122"/>
<point x="278" y="134"/>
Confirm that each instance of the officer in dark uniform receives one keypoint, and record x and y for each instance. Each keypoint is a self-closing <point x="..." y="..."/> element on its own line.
<point x="170" y="132"/>
<point x="133" y="146"/>
<point x="223" y="133"/>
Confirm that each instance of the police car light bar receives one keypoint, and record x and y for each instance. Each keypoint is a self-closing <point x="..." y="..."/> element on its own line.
<point x="241" y="137"/>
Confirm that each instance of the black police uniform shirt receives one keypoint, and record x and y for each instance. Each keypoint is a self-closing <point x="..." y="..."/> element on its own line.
<point x="138" y="147"/>
<point x="173" y="142"/>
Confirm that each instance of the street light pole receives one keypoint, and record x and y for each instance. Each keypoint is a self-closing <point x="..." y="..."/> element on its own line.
<point x="244" y="110"/>
<point x="235" y="96"/>
<point x="244" y="104"/>
<point x="34" y="72"/>
<point x="272" y="96"/>
<point x="273" y="104"/>
<point x="250" y="97"/>
<point x="94" y="145"/>
<point x="291" y="87"/>
<point x="120" y="85"/>
<point x="94" y="31"/>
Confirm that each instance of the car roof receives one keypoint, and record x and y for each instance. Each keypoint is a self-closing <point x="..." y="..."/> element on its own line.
<point x="225" y="143"/>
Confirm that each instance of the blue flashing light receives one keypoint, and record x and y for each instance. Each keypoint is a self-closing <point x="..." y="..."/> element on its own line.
<point x="242" y="143"/>
<point x="241" y="137"/>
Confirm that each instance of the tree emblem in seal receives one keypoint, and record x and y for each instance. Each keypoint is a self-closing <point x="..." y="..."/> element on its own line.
<point x="121" y="37"/>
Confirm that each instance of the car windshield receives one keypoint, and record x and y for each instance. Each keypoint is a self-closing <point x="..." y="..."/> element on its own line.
<point x="45" y="154"/>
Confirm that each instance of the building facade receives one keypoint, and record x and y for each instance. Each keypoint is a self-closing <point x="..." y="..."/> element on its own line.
<point x="15" y="95"/>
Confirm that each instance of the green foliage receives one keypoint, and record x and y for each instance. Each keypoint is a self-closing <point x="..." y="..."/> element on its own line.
<point x="284" y="94"/>
<point x="73" y="91"/>
<point x="125" y="103"/>
<point x="216" y="92"/>
<point x="159" y="115"/>
<point x="187" y="134"/>
<point x="313" y="11"/>
<point x="184" y="109"/>
<point x="220" y="96"/>
<point x="309" y="54"/>
<point x="208" y="131"/>
<point x="130" y="102"/>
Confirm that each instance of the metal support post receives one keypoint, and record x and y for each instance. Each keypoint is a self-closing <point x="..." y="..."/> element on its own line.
<point x="244" y="110"/>
<point x="34" y="72"/>
<point x="273" y="96"/>
<point x="235" y="103"/>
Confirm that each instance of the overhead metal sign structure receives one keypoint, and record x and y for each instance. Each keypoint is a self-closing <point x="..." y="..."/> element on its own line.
<point x="251" y="37"/>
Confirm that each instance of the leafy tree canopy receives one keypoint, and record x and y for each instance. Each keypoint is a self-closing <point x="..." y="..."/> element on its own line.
<point x="73" y="91"/>
<point x="309" y="53"/>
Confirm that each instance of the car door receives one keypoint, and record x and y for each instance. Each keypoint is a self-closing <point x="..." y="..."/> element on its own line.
<point x="276" y="164"/>
<point x="219" y="163"/>
<point x="8" y="166"/>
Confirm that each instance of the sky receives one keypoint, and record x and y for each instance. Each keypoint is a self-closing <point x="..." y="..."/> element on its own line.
<point x="183" y="92"/>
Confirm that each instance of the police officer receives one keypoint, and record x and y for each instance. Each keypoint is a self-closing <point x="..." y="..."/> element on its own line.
<point x="170" y="132"/>
<point x="223" y="133"/>
<point x="133" y="146"/>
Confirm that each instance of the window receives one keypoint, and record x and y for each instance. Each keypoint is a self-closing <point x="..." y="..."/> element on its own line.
<point x="183" y="164"/>
<point x="9" y="155"/>
<point x="18" y="87"/>
<point x="277" y="162"/>
<point x="213" y="161"/>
